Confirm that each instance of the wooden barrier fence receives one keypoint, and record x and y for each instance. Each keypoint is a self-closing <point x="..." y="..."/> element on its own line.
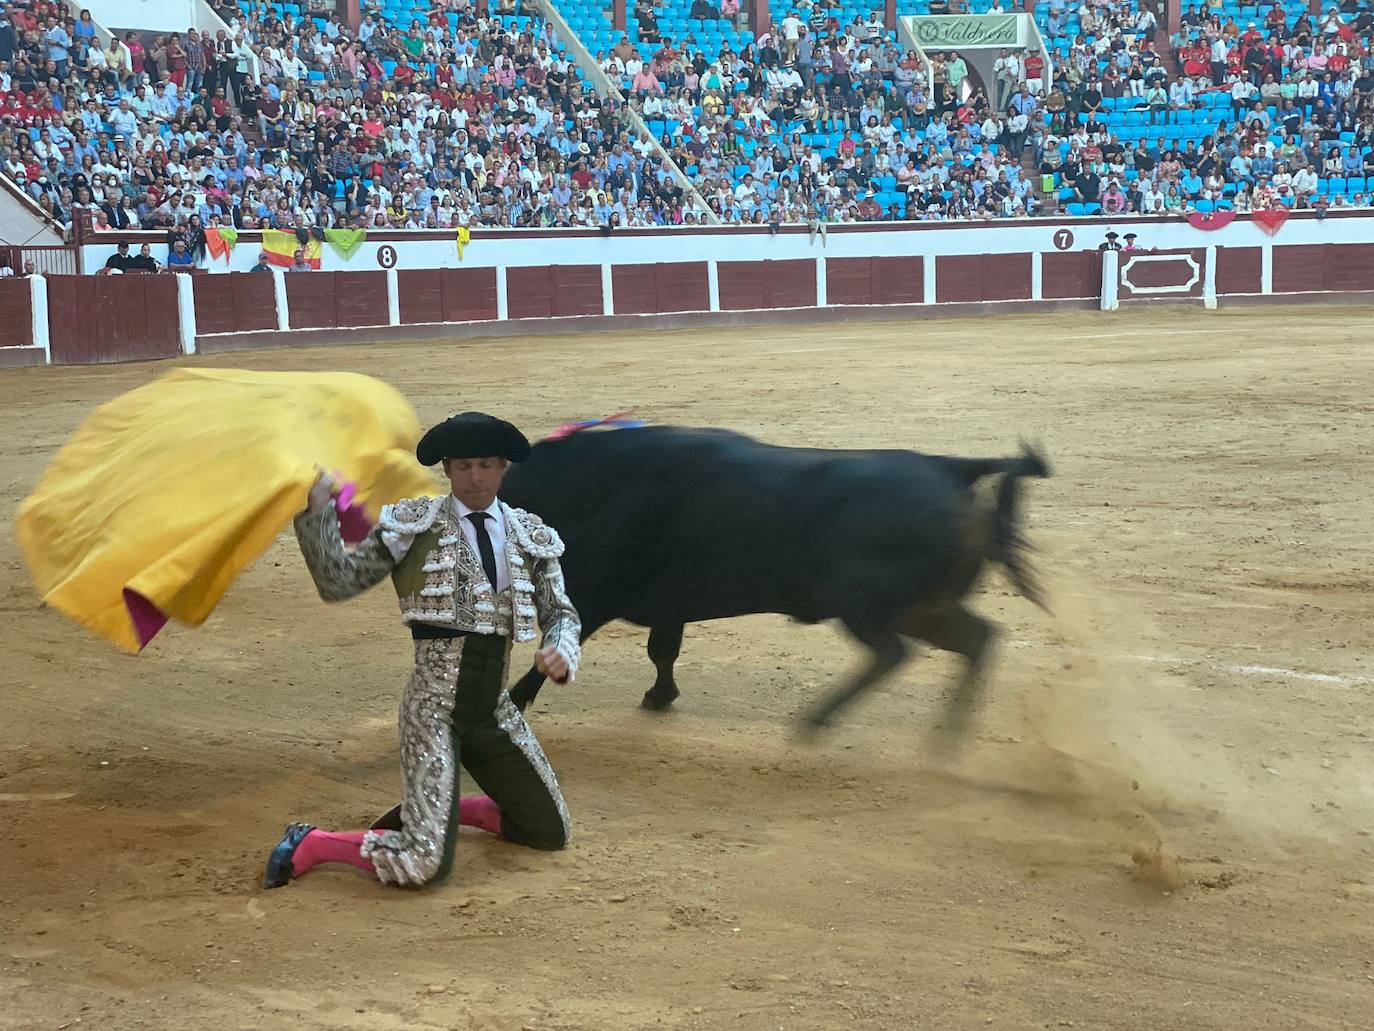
<point x="71" y="319"/>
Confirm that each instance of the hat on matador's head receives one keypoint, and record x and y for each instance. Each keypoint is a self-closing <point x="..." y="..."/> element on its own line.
<point x="472" y="435"/>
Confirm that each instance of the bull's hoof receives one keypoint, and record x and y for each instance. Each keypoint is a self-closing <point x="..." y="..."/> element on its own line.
<point x="658" y="699"/>
<point x="812" y="726"/>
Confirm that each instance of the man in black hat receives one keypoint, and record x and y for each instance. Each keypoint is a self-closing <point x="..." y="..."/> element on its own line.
<point x="472" y="575"/>
<point x="1112" y="243"/>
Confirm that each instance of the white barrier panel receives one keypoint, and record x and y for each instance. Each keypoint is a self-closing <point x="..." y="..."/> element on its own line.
<point x="1111" y="276"/>
<point x="516" y="247"/>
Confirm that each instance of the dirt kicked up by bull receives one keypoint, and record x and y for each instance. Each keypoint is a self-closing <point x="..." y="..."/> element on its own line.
<point x="669" y="525"/>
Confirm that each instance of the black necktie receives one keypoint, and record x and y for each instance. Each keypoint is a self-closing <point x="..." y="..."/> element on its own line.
<point x="484" y="548"/>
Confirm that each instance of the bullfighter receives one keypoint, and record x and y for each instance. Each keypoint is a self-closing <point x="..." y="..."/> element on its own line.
<point x="473" y="575"/>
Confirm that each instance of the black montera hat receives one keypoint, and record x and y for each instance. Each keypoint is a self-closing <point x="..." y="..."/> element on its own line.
<point x="472" y="435"/>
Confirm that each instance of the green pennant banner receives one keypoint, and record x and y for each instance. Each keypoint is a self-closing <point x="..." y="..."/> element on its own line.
<point x="345" y="241"/>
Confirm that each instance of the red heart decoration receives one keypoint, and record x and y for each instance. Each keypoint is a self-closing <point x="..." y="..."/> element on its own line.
<point x="1271" y="220"/>
<point x="1211" y="221"/>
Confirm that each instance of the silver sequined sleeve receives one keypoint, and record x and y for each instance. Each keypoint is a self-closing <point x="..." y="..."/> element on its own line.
<point x="340" y="574"/>
<point x="557" y="618"/>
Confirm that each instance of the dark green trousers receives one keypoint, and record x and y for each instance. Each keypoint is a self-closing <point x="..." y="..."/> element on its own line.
<point x="457" y="716"/>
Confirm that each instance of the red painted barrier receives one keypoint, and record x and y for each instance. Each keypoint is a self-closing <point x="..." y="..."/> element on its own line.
<point x="1065" y="275"/>
<point x="1328" y="266"/>
<point x="740" y="285"/>
<point x="789" y="284"/>
<point x="130" y="317"/>
<point x="576" y="290"/>
<point x="1238" y="270"/>
<point x="94" y="319"/>
<point x="662" y="287"/>
<point x="1298" y="269"/>
<point x="744" y="285"/>
<point x="238" y="302"/>
<point x="447" y="295"/>
<point x="898" y="280"/>
<point x="16" y="312"/>
<point x="328" y="300"/>
<point x="982" y="277"/>
<point x="549" y="291"/>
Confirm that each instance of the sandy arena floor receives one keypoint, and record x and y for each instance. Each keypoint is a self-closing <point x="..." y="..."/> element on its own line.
<point x="1163" y="820"/>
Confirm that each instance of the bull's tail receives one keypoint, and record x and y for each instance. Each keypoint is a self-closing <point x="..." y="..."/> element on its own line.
<point x="969" y="471"/>
<point x="1009" y="545"/>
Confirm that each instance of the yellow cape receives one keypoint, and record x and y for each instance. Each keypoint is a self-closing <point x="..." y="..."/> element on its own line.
<point x="165" y="494"/>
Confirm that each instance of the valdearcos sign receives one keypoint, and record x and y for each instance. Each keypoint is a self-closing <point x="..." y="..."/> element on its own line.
<point x="937" y="31"/>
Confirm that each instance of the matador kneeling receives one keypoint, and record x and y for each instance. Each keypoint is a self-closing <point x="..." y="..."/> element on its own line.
<point x="473" y="575"/>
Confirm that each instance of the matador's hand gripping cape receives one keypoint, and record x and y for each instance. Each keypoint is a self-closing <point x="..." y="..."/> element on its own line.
<point x="165" y="494"/>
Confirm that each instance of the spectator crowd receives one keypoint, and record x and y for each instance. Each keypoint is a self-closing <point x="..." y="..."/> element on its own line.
<point x="821" y="121"/>
<point x="436" y="118"/>
<point x="297" y="124"/>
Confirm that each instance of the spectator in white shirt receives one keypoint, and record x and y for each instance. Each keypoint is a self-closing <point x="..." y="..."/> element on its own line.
<point x="1304" y="184"/>
<point x="123" y="120"/>
<point x="791" y="36"/>
<point x="292" y="67"/>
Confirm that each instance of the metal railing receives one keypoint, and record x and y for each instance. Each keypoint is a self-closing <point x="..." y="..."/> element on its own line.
<point x="47" y="260"/>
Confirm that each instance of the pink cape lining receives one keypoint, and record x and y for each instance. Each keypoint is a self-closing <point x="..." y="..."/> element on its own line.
<point x="148" y="619"/>
<point x="354" y="525"/>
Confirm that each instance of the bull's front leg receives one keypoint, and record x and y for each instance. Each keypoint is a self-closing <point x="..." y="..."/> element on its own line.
<point x="526" y="689"/>
<point x="665" y="644"/>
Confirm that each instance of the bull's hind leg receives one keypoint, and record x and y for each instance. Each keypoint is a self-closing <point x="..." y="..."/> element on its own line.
<point x="888" y="651"/>
<point x="665" y="644"/>
<point x="958" y="630"/>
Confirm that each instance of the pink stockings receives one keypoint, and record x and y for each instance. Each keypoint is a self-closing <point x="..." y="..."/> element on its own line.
<point x="346" y="847"/>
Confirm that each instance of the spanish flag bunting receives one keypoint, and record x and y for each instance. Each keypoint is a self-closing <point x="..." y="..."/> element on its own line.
<point x="281" y="248"/>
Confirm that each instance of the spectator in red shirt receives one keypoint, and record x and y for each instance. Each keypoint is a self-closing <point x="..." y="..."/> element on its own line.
<point x="269" y="111"/>
<point x="443" y="72"/>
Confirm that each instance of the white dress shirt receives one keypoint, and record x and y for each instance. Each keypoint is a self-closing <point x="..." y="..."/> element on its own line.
<point x="496" y="530"/>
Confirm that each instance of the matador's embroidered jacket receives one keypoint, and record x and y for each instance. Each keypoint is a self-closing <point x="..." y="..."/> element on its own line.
<point x="438" y="577"/>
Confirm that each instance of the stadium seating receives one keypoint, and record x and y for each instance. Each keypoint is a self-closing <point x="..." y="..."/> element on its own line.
<point x="434" y="118"/>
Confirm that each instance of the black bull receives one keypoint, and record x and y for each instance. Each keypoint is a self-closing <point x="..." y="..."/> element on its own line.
<point x="669" y="525"/>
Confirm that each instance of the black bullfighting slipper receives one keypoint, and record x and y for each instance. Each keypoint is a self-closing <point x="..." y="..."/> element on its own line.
<point x="389" y="820"/>
<point x="279" y="862"/>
